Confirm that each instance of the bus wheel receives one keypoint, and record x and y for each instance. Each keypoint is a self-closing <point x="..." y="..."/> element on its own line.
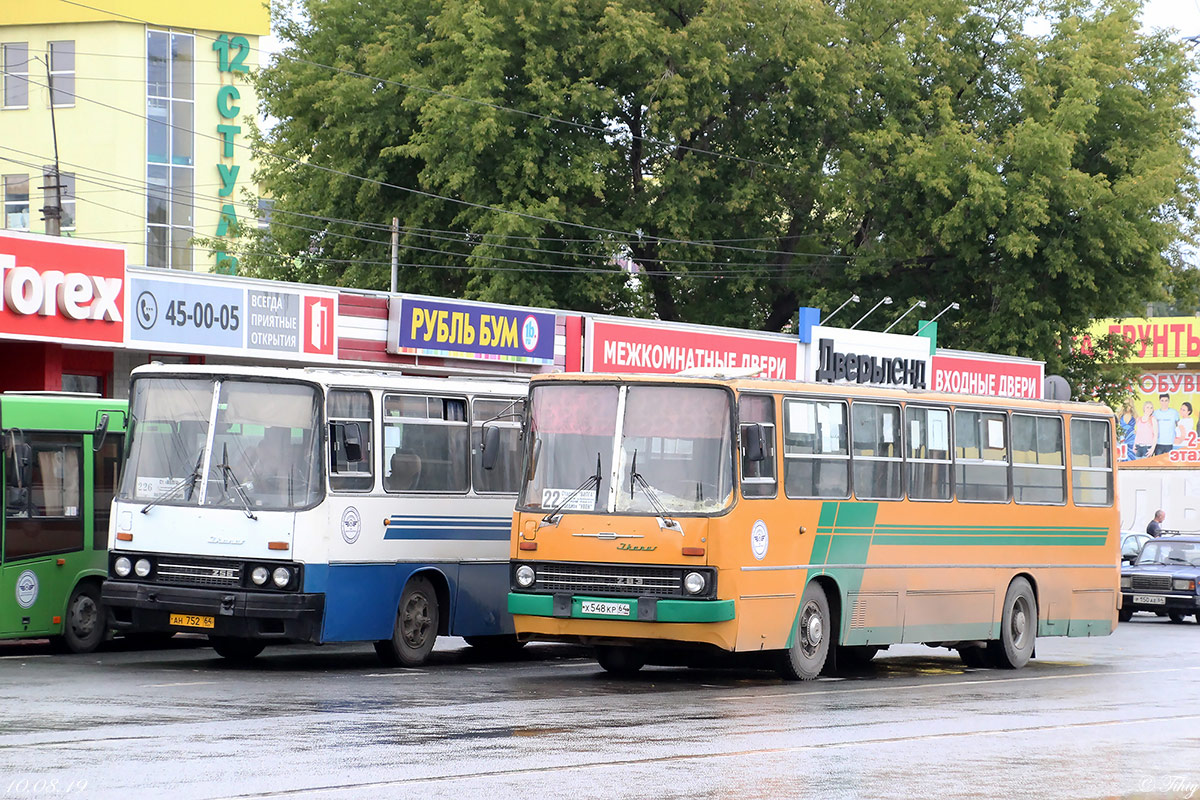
<point x="1125" y="614"/>
<point x="237" y="650"/>
<point x="85" y="625"/>
<point x="810" y="641"/>
<point x="1018" y="627"/>
<point x="415" y="629"/>
<point x="623" y="661"/>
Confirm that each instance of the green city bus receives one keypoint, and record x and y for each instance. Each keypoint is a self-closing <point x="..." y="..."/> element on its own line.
<point x="62" y="456"/>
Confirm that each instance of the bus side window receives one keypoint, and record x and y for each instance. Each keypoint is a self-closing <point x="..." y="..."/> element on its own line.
<point x="505" y="474"/>
<point x="426" y="444"/>
<point x="1091" y="463"/>
<point x="981" y="456"/>
<point x="350" y="440"/>
<point x="758" y="477"/>
<point x="1039" y="461"/>
<point x="876" y="451"/>
<point x="105" y="474"/>
<point x="52" y="518"/>
<point x="816" y="454"/>
<point x="928" y="453"/>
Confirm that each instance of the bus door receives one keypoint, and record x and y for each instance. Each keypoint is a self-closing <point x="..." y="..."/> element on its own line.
<point x="43" y="523"/>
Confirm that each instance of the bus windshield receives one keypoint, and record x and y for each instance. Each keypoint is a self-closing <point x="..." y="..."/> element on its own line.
<point x="672" y="446"/>
<point x="231" y="443"/>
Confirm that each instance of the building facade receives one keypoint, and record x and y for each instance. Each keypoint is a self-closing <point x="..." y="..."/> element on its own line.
<point x="146" y="108"/>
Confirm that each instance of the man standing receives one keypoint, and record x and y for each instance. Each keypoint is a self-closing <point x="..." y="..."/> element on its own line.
<point x="1155" y="526"/>
<point x="1168" y="420"/>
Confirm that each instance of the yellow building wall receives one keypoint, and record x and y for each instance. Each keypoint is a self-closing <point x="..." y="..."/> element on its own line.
<point x="243" y="16"/>
<point x="104" y="142"/>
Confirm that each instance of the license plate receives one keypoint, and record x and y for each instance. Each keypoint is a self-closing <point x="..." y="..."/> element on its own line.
<point x="191" y="621"/>
<point x="608" y="609"/>
<point x="1150" y="599"/>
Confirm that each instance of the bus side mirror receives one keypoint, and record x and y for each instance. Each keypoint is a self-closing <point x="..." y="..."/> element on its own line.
<point x="100" y="432"/>
<point x="491" y="446"/>
<point x="755" y="442"/>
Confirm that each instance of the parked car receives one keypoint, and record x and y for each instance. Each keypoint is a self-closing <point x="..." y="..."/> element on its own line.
<point x="1131" y="545"/>
<point x="1164" y="578"/>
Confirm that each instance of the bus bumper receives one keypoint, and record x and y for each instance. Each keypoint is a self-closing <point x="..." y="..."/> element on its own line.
<point x="147" y="608"/>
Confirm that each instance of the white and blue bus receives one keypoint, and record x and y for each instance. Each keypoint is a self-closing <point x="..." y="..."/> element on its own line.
<point x="271" y="505"/>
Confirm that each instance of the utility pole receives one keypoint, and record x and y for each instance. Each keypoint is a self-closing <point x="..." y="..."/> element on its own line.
<point x="52" y="214"/>
<point x="395" y="250"/>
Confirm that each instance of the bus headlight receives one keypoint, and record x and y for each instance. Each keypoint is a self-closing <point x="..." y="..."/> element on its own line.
<point x="525" y="576"/>
<point x="1183" y="585"/>
<point x="281" y="576"/>
<point x="260" y="575"/>
<point x="1126" y="582"/>
<point x="122" y="567"/>
<point x="142" y="567"/>
<point x="694" y="583"/>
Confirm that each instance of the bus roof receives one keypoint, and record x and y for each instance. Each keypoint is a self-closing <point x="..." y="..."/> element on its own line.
<point x="341" y="377"/>
<point x="744" y="384"/>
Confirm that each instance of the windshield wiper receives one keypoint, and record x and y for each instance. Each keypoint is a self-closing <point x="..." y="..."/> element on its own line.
<point x="227" y="473"/>
<point x="664" y="519"/>
<point x="554" y="516"/>
<point x="189" y="483"/>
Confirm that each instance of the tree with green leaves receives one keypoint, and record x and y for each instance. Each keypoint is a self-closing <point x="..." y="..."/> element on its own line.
<point x="748" y="156"/>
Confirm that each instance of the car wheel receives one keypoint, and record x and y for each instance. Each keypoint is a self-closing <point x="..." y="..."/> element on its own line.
<point x="415" y="629"/>
<point x="1125" y="614"/>
<point x="1018" y="627"/>
<point x="804" y="660"/>
<point x="240" y="651"/>
<point x="1176" y="616"/>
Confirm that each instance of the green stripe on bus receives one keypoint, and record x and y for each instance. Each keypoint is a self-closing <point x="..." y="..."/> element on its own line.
<point x="1012" y="540"/>
<point x="541" y="605"/>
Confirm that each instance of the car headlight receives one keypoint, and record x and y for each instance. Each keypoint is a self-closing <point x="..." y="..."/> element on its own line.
<point x="525" y="576"/>
<point x="142" y="567"/>
<point x="694" y="583"/>
<point x="260" y="575"/>
<point x="122" y="567"/>
<point x="281" y="576"/>
<point x="1183" y="584"/>
<point x="1126" y="582"/>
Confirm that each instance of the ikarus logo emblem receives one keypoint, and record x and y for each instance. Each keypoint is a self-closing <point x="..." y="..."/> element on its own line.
<point x="647" y="547"/>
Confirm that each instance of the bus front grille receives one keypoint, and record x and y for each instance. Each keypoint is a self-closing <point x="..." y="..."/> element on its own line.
<point x="610" y="579"/>
<point x="193" y="573"/>
<point x="1160" y="583"/>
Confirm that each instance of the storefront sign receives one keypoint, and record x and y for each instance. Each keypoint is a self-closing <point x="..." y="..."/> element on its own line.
<point x="231" y="53"/>
<point x="1154" y="339"/>
<point x="418" y="326"/>
<point x="659" y="349"/>
<point x="205" y="315"/>
<point x="61" y="290"/>
<point x="987" y="376"/>
<point x="844" y="355"/>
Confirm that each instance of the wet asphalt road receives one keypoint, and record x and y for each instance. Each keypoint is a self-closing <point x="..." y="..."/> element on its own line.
<point x="1111" y="717"/>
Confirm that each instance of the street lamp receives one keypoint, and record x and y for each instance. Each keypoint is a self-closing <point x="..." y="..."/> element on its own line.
<point x="918" y="304"/>
<point x="853" y="299"/>
<point x="935" y="316"/>
<point x="887" y="301"/>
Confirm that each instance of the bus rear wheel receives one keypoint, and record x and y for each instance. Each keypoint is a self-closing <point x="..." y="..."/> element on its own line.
<point x="240" y="651"/>
<point x="620" y="661"/>
<point x="86" y="624"/>
<point x="804" y="660"/>
<point x="1018" y="627"/>
<point x="415" y="629"/>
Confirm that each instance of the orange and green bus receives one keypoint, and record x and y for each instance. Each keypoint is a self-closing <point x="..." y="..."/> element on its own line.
<point x="61" y="457"/>
<point x="816" y="523"/>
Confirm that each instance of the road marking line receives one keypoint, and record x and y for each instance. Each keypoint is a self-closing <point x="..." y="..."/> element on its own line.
<point x="181" y="683"/>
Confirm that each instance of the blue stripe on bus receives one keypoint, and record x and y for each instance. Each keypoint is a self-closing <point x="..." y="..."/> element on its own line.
<point x="448" y="528"/>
